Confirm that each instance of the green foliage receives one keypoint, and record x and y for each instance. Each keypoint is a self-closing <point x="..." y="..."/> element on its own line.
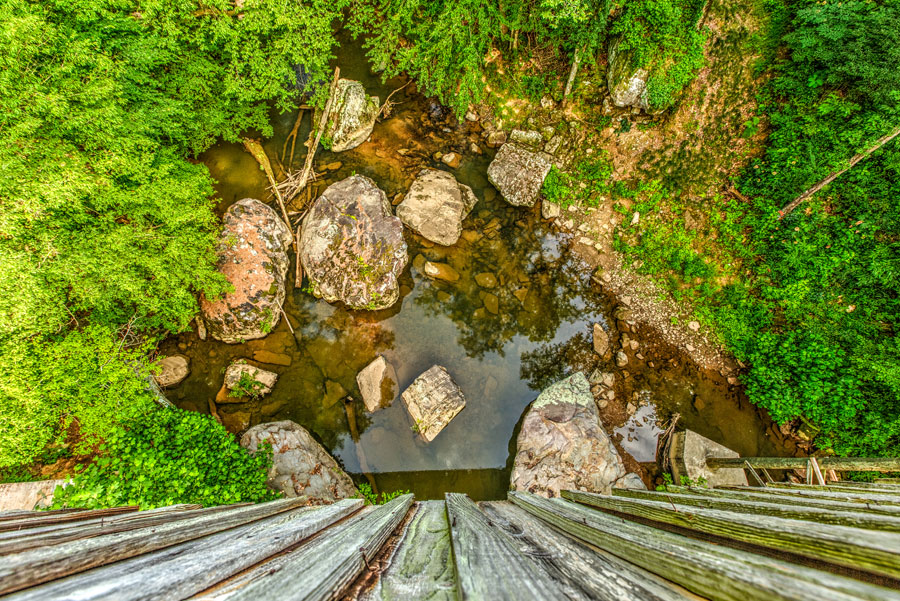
<point x="169" y="456"/>
<point x="108" y="228"/>
<point x="366" y="493"/>
<point x="246" y="386"/>
<point x="661" y="36"/>
<point x="584" y="184"/>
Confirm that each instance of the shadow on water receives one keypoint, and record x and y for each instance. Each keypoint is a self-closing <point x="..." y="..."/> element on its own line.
<point x="518" y="318"/>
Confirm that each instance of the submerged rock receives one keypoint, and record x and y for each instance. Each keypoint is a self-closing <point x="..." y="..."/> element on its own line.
<point x="435" y="206"/>
<point x="440" y="271"/>
<point x="518" y="173"/>
<point x="432" y="400"/>
<point x="352" y="247"/>
<point x="352" y="116"/>
<point x="300" y="465"/>
<point x="172" y="370"/>
<point x="562" y="444"/>
<point x="601" y="340"/>
<point x="253" y="258"/>
<point x="378" y="384"/>
<point x="260" y="381"/>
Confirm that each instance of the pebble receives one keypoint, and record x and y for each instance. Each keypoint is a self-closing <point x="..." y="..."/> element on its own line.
<point x="694" y="325"/>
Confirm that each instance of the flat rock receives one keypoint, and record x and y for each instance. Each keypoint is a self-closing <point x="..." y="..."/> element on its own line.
<point x="352" y="247"/>
<point x="518" y="173"/>
<point x="562" y="444"/>
<point x="435" y="206"/>
<point x="526" y="137"/>
<point x="265" y="380"/>
<point x="432" y="400"/>
<point x="601" y="340"/>
<point x="264" y="356"/>
<point x="440" y="271"/>
<point x="378" y="384"/>
<point x="172" y="370"/>
<point x="300" y="465"/>
<point x="550" y="210"/>
<point x="253" y="257"/>
<point x="486" y="280"/>
<point x="352" y="117"/>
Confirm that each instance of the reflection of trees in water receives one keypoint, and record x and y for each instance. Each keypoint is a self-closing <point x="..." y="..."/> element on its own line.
<point x="543" y="288"/>
<point x="551" y="363"/>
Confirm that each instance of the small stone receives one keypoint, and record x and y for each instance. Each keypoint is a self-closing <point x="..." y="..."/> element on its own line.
<point x="635" y="218"/>
<point x="398" y="198"/>
<point x="526" y="137"/>
<point x="547" y="102"/>
<point x="694" y="325"/>
<point x="378" y="384"/>
<point x="201" y="329"/>
<point x="432" y="400"/>
<point x="733" y="381"/>
<point x="471" y="116"/>
<point x="630" y="409"/>
<point x="440" y="271"/>
<point x="495" y="138"/>
<point x="550" y="210"/>
<point x="443" y="296"/>
<point x="634" y="344"/>
<point x="172" y="370"/>
<point x="602" y="404"/>
<point x="486" y="280"/>
<point x="699" y="404"/>
<point x="334" y="392"/>
<point x="572" y="209"/>
<point x="621" y="359"/>
<point x="492" y="303"/>
<point x="333" y="166"/>
<point x="690" y="348"/>
<point x="601" y="340"/>
<point x="451" y="159"/>
<point x="520" y="294"/>
<point x="475" y="148"/>
<point x="272" y="358"/>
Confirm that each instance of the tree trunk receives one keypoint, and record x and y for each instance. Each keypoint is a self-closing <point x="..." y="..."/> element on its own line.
<point x="835" y="174"/>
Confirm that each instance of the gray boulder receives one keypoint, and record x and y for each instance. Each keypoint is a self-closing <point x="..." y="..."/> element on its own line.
<point x="627" y="85"/>
<point x="352" y="116"/>
<point x="352" y="247"/>
<point x="562" y="444"/>
<point x="253" y="257"/>
<point x="432" y="400"/>
<point x="300" y="465"/>
<point x="435" y="206"/>
<point x="172" y="370"/>
<point x="378" y="384"/>
<point x="518" y="173"/>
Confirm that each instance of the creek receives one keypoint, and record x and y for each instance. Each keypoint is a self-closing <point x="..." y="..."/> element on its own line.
<point x="546" y="306"/>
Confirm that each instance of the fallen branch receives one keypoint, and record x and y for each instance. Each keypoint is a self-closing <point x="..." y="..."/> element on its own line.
<point x="834" y="175"/>
<point x="385" y="109"/>
<point x="319" y="130"/>
<point x="256" y="149"/>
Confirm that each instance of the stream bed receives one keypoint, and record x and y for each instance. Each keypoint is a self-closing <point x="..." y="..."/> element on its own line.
<point x="502" y="344"/>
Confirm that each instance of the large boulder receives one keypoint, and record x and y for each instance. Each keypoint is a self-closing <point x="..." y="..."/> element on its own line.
<point x="172" y="370"/>
<point x="352" y="116"/>
<point x="432" y="400"/>
<point x="352" y="247"/>
<point x="253" y="257"/>
<point x="378" y="384"/>
<point x="627" y="84"/>
<point x="300" y="465"/>
<point x="562" y="444"/>
<point x="435" y="206"/>
<point x="518" y="173"/>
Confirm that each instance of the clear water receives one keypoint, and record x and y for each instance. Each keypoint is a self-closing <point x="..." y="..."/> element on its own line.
<point x="501" y="361"/>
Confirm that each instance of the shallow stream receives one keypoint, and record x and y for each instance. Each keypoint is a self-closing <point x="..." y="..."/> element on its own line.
<point x="541" y="330"/>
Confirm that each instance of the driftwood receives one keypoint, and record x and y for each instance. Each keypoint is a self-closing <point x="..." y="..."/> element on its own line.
<point x="835" y="174"/>
<point x="256" y="149"/>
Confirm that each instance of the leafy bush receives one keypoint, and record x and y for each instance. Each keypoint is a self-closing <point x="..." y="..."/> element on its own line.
<point x="369" y="496"/>
<point x="169" y="456"/>
<point x="583" y="184"/>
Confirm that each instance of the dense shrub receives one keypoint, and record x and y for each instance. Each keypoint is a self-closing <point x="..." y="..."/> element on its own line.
<point x="169" y="456"/>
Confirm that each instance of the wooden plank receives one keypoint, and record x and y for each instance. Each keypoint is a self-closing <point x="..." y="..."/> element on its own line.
<point x="713" y="571"/>
<point x="886" y="484"/>
<point x="43" y="518"/>
<point x="45" y="564"/>
<point x="55" y="534"/>
<point x="854" y="519"/>
<point x="863" y="464"/>
<point x="809" y="493"/>
<point x="488" y="563"/>
<point x="847" y="488"/>
<point x="323" y="568"/>
<point x="15" y="514"/>
<point x="179" y="571"/>
<point x="855" y="548"/>
<point x="596" y="574"/>
<point x="764" y="497"/>
<point x="421" y="567"/>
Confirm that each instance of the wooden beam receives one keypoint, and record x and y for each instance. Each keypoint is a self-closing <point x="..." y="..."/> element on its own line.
<point x="854" y="519"/>
<point x="763" y="496"/>
<point x="799" y="490"/>
<point x="713" y="571"/>
<point x="839" y="546"/>
<point x="885" y="484"/>
<point x="43" y="565"/>
<point x="488" y="563"/>
<point x="847" y="488"/>
<point x="180" y="571"/>
<point x="323" y="568"/>
<point x="421" y="567"/>
<point x="34" y="519"/>
<point x="862" y="464"/>
<point x="593" y="574"/>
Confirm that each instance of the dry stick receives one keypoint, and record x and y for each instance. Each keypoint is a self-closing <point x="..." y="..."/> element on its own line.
<point x="834" y="175"/>
<point x="256" y="149"/>
<point x="293" y="138"/>
<point x="310" y="155"/>
<point x="570" y="83"/>
<point x="388" y="100"/>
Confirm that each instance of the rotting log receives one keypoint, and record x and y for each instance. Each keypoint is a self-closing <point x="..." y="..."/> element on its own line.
<point x="713" y="571"/>
<point x="42" y="565"/>
<point x="596" y="574"/>
<point x="488" y="564"/>
<point x="862" y="464"/>
<point x="762" y="496"/>
<point x="180" y="571"/>
<point x="324" y="568"/>
<point x="840" y="517"/>
<point x="421" y="566"/>
<point x="840" y="546"/>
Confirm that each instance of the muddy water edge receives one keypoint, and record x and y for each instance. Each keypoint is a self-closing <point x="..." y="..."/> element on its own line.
<point x="502" y="341"/>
